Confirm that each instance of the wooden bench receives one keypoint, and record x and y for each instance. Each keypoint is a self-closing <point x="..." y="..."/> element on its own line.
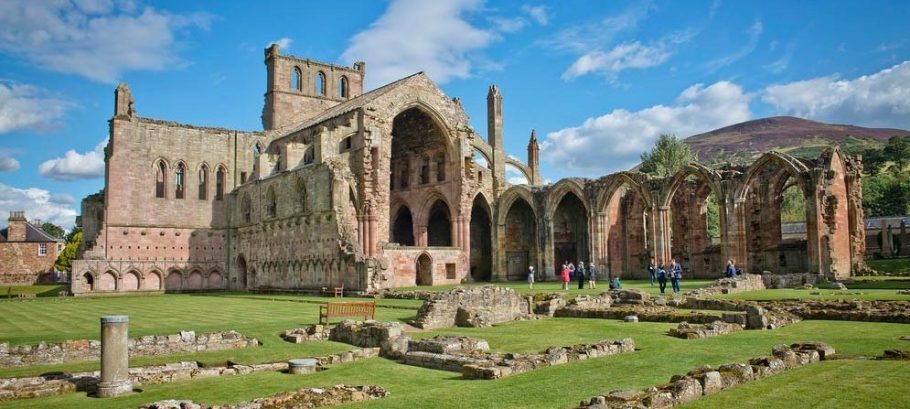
<point x="365" y="309"/>
<point x="337" y="291"/>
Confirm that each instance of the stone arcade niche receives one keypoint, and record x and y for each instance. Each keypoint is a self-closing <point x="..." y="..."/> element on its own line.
<point x="766" y="248"/>
<point x="481" y="240"/>
<point x="695" y="227"/>
<point x="570" y="231"/>
<point x="418" y="180"/>
<point x="519" y="244"/>
<point x="627" y="252"/>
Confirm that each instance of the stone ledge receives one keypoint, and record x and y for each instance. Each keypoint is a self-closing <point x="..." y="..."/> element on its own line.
<point x="303" y="398"/>
<point x="696" y="331"/>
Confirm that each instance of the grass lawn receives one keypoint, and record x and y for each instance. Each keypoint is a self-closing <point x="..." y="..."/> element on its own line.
<point x="11" y="291"/>
<point x="556" y="287"/>
<point x="563" y="386"/>
<point x="891" y="265"/>
<point x="54" y="320"/>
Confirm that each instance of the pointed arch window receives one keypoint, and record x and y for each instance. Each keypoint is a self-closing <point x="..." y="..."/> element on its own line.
<point x="440" y="167"/>
<point x="246" y="208"/>
<point x="296" y="79"/>
<point x="203" y="182"/>
<point x="160" y="179"/>
<point x="271" y="207"/>
<point x="320" y="83"/>
<point x="219" y="184"/>
<point x="180" y="181"/>
<point x="343" y="87"/>
<point x="425" y="170"/>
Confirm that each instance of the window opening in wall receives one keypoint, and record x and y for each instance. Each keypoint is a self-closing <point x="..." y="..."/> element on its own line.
<point x="160" y="178"/>
<point x="271" y="204"/>
<point x="242" y="177"/>
<point x="320" y="83"/>
<point x="42" y="249"/>
<point x="440" y="167"/>
<point x="180" y="179"/>
<point x="346" y="144"/>
<point x="246" y="209"/>
<point x="343" y="87"/>
<point x="203" y="182"/>
<point x="404" y="176"/>
<point x="296" y="79"/>
<point x="425" y="170"/>
<point x="309" y="156"/>
<point x="257" y="149"/>
<point x="219" y="184"/>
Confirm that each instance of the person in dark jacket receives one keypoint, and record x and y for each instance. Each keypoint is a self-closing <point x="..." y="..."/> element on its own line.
<point x="580" y="275"/>
<point x="652" y="272"/>
<point x="731" y="269"/>
<point x="675" y="275"/>
<point x="661" y="278"/>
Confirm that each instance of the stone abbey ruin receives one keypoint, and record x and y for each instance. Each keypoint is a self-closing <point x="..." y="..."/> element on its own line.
<point x="393" y="188"/>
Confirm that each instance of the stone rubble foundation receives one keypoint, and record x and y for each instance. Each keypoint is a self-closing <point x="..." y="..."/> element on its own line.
<point x="472" y="307"/>
<point x="300" y="399"/>
<point x="707" y="380"/>
<point x="150" y="345"/>
<point x="697" y="331"/>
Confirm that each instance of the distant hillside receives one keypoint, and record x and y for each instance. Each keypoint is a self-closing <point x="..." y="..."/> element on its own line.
<point x="743" y="142"/>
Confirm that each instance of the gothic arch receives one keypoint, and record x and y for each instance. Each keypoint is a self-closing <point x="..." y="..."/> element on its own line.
<point x="508" y="198"/>
<point x="560" y="190"/>
<point x="706" y="175"/>
<point x="794" y="166"/>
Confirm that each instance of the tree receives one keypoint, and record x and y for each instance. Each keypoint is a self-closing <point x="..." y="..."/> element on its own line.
<point x="70" y="251"/>
<point x="898" y="151"/>
<point x="667" y="157"/>
<point x="53" y="229"/>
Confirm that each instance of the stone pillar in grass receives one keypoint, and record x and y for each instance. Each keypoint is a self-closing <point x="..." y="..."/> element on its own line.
<point x="115" y="375"/>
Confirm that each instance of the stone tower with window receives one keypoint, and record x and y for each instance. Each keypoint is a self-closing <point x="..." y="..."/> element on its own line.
<point x="298" y="89"/>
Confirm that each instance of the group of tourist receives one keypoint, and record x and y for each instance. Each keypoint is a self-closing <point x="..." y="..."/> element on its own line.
<point x="661" y="274"/>
<point x="583" y="275"/>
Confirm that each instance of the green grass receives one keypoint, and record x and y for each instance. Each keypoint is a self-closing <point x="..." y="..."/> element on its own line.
<point x="556" y="287"/>
<point x="11" y="291"/>
<point x="801" y="294"/>
<point x="831" y="384"/>
<point x="891" y="265"/>
<point x="659" y="356"/>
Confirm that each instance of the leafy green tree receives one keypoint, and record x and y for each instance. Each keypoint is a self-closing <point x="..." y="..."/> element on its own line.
<point x="793" y="205"/>
<point x="898" y="151"/>
<point x="713" y="216"/>
<point x="53" y="229"/>
<point x="70" y="251"/>
<point x="667" y="157"/>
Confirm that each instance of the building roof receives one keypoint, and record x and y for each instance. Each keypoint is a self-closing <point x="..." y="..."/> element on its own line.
<point x="32" y="234"/>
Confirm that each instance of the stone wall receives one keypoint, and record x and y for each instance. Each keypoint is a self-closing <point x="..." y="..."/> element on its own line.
<point x="389" y="337"/>
<point x="303" y="398"/>
<point x="62" y="383"/>
<point x="151" y="345"/>
<point x="755" y="317"/>
<point x="696" y="331"/>
<point x="707" y="380"/>
<point x="472" y="307"/>
<point x="846" y="310"/>
<point x="20" y="263"/>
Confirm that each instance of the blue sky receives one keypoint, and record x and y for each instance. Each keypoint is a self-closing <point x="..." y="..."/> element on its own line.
<point x="597" y="80"/>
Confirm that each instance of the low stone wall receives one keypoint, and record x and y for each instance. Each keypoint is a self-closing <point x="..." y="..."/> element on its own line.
<point x="62" y="383"/>
<point x="686" y="330"/>
<point x="469" y="356"/>
<point x="503" y="365"/>
<point x="404" y="295"/>
<point x="707" y="380"/>
<point x="152" y="345"/>
<point x="738" y="284"/>
<point x="472" y="307"/>
<point x="389" y="337"/>
<point x="312" y="333"/>
<point x="303" y="398"/>
<point x="756" y="316"/>
<point x="647" y="314"/>
<point x="846" y="310"/>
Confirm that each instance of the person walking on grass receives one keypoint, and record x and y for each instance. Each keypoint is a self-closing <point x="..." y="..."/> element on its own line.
<point x="675" y="275"/>
<point x="571" y="270"/>
<point x="580" y="274"/>
<point x="531" y="277"/>
<point x="592" y="275"/>
<point x="564" y="276"/>
<point x="661" y="278"/>
<point x="652" y="272"/>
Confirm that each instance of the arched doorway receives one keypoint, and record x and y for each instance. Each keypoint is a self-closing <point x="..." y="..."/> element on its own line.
<point x="695" y="228"/>
<point x="481" y="241"/>
<point x="439" y="225"/>
<point x="88" y="282"/>
<point x="519" y="240"/>
<point x="241" y="271"/>
<point x="152" y="281"/>
<point x="626" y="233"/>
<point x="403" y="227"/>
<point x="775" y="214"/>
<point x="570" y="231"/>
<point x="424" y="270"/>
<point x="107" y="282"/>
<point x="130" y="281"/>
<point x="174" y="281"/>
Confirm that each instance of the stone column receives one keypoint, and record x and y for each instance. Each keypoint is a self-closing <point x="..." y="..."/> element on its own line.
<point x="115" y="376"/>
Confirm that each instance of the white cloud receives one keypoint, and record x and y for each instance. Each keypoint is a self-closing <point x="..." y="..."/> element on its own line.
<point x="98" y="40"/>
<point x="881" y="99"/>
<point x="74" y="165"/>
<point x="753" y="34"/>
<point x="621" y="57"/>
<point x="615" y="141"/>
<point x="596" y="35"/>
<point x="7" y="162"/>
<point x="417" y="35"/>
<point x="24" y="106"/>
<point x="37" y="204"/>
<point x="515" y="177"/>
<point x="539" y="14"/>
<point x="283" y="43"/>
